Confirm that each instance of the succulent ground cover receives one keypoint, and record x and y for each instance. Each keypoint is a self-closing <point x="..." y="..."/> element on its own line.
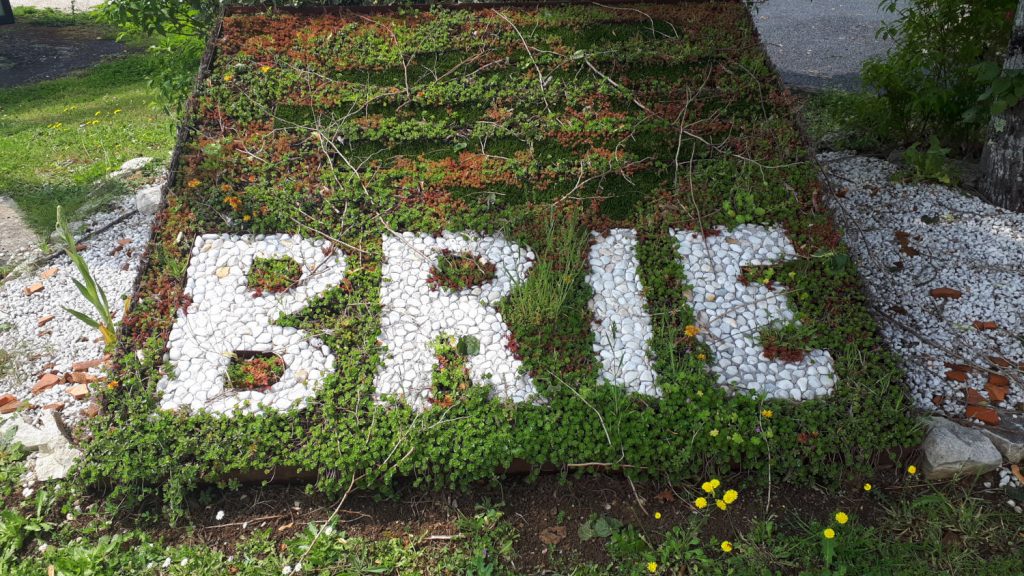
<point x="544" y="125"/>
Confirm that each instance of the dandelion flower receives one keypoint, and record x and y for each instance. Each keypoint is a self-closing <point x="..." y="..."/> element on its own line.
<point x="707" y="487"/>
<point x="842" y="518"/>
<point x="829" y="533"/>
<point x="193" y="183"/>
<point x="228" y="77"/>
<point x="652" y="567"/>
<point x="701" y="502"/>
<point x="657" y="515"/>
<point x="715" y="483"/>
<point x="691" y="330"/>
<point x="867" y="487"/>
<point x="911" y="469"/>
<point x="726" y="546"/>
<point x="264" y="68"/>
<point x="721" y="504"/>
<point x="730" y="496"/>
<point x="766" y="413"/>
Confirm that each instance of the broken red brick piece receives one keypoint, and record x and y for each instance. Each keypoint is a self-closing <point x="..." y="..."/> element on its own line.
<point x="996" y="393"/>
<point x="957" y="375"/>
<point x="959" y="367"/>
<point x="91" y="410"/>
<point x="7" y="399"/>
<point x="9" y="408"/>
<point x="979" y="325"/>
<point x="49" y="273"/>
<point x="82" y="377"/>
<point x="998" y="379"/>
<point x="54" y="407"/>
<point x="124" y="242"/>
<point x="938" y="400"/>
<point x="86" y="365"/>
<point x="997" y="361"/>
<point x="81" y="246"/>
<point x="45" y="320"/>
<point x="975" y="397"/>
<point x="983" y="413"/>
<point x="45" y="382"/>
<point x="78" y="391"/>
<point x="945" y="293"/>
<point x="32" y="289"/>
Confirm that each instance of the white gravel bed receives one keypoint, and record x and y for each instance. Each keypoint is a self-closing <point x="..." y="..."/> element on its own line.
<point x="64" y="340"/>
<point x="912" y="239"/>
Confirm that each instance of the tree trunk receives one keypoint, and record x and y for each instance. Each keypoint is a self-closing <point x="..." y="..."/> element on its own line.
<point x="1002" y="161"/>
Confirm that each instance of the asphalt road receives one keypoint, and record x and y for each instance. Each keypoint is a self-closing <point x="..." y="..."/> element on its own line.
<point x="819" y="44"/>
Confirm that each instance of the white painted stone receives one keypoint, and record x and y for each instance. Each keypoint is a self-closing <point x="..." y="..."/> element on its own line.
<point x="226" y="317"/>
<point x="712" y="264"/>
<point x="622" y="326"/>
<point x="414" y="314"/>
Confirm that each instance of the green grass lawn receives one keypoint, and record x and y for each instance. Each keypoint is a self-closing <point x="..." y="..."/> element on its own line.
<point x="59" y="137"/>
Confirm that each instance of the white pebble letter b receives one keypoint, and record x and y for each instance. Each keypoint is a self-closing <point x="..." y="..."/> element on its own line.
<point x="415" y="314"/>
<point x="227" y="317"/>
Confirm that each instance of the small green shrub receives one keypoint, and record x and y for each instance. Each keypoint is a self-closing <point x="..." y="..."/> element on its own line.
<point x="931" y="164"/>
<point x="458" y="271"/>
<point x="255" y="371"/>
<point x="930" y="78"/>
<point x="274" y="275"/>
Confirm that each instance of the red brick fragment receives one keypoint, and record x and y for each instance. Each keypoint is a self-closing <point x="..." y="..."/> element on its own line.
<point x="54" y="407"/>
<point x="957" y="375"/>
<point x="984" y="413"/>
<point x="988" y="325"/>
<point x="7" y="399"/>
<point x="45" y="320"/>
<point x="45" y="382"/>
<point x="86" y="365"/>
<point x="33" y="288"/>
<point x="49" y="273"/>
<point x="945" y="293"/>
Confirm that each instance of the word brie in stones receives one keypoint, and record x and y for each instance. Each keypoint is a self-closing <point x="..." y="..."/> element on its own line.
<point x="227" y="319"/>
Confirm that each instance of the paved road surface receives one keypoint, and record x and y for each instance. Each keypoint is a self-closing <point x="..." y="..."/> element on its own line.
<point x="821" y="43"/>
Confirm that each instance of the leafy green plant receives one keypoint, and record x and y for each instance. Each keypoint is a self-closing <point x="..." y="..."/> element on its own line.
<point x="598" y="526"/>
<point x="88" y="287"/>
<point x="255" y="371"/>
<point x="743" y="208"/>
<point x="931" y="164"/>
<point x="931" y="78"/>
<point x="274" y="275"/>
<point x="458" y="271"/>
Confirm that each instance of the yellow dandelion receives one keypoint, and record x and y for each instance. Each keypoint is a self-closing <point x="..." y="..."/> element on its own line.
<point x="264" y="68"/>
<point x="842" y="518"/>
<point x="721" y="504"/>
<point x="113" y="384"/>
<point x="715" y="483"/>
<point x="766" y="413"/>
<point x="652" y="567"/>
<point x="726" y="546"/>
<point x="691" y="330"/>
<point x="657" y="515"/>
<point x="911" y="469"/>
<point x="228" y="77"/>
<point x="867" y="487"/>
<point x="246" y="218"/>
<point x="829" y="533"/>
<point x="193" y="183"/>
<point x="701" y="503"/>
<point x="707" y="487"/>
<point x="730" y="496"/>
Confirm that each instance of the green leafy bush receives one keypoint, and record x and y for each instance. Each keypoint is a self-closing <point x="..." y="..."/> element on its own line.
<point x="941" y="66"/>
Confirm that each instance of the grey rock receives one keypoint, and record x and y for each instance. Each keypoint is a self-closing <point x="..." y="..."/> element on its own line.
<point x="147" y="200"/>
<point x="951" y="450"/>
<point x="133" y="165"/>
<point x="55" y="462"/>
<point x="1008" y="437"/>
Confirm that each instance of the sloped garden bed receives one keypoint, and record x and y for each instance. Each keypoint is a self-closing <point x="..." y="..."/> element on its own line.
<point x="549" y="235"/>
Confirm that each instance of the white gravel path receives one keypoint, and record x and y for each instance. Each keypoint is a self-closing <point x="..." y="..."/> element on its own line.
<point x="32" y="349"/>
<point x="911" y="239"/>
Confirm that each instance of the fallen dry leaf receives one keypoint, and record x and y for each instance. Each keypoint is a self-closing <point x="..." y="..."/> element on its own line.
<point x="552" y="535"/>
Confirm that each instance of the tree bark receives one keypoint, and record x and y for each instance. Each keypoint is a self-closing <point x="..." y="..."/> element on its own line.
<point x="1002" y="161"/>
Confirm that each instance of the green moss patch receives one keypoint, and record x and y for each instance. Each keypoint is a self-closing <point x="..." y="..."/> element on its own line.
<point x="273" y="275"/>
